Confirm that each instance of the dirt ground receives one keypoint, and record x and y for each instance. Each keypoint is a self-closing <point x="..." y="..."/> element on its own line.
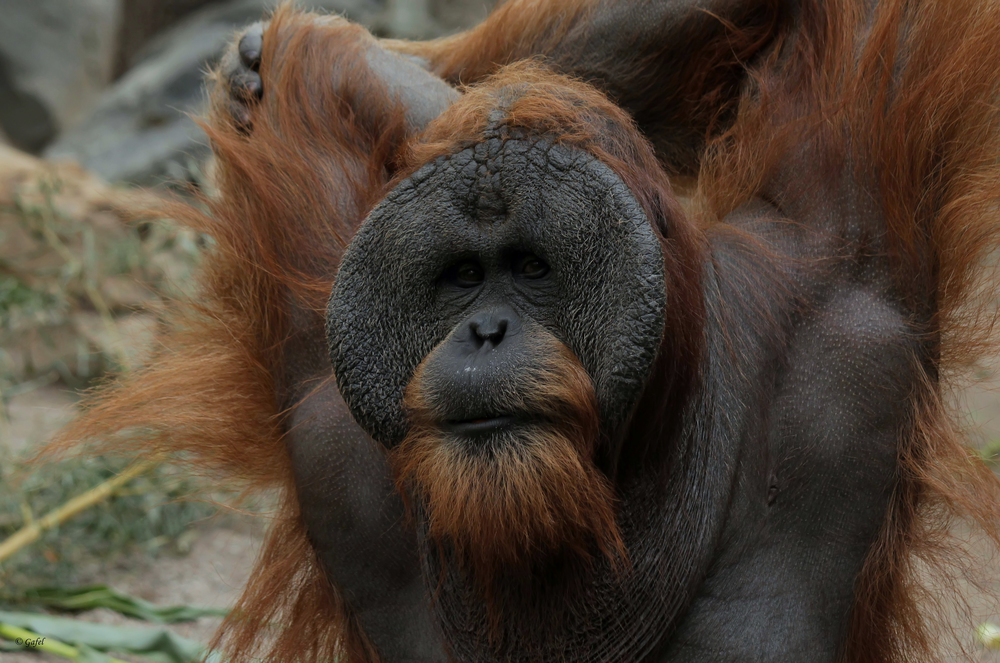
<point x="221" y="557"/>
<point x="212" y="574"/>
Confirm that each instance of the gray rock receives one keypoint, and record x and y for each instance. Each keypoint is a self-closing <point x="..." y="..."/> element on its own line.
<point x="141" y="131"/>
<point x="428" y="19"/>
<point x="143" y="19"/>
<point x="55" y="58"/>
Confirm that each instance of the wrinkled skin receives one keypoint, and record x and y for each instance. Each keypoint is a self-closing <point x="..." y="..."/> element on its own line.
<point x="567" y="223"/>
<point x="747" y="535"/>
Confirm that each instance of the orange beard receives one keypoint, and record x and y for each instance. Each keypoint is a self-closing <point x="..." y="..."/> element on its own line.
<point x="534" y="491"/>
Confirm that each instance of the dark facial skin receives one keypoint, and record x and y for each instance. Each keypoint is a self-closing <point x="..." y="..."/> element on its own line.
<point x="491" y="347"/>
<point x="466" y="244"/>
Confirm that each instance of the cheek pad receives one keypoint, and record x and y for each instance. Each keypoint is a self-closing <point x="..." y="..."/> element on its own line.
<point x="382" y="319"/>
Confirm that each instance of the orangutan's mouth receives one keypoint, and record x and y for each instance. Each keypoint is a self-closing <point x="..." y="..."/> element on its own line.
<point x="480" y="426"/>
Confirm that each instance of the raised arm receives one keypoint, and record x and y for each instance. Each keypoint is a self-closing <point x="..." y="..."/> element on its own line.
<point x="325" y="138"/>
<point x="243" y="383"/>
<point x="675" y="65"/>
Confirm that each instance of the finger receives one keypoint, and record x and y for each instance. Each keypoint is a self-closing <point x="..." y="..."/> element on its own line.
<point x="251" y="45"/>
<point x="246" y="86"/>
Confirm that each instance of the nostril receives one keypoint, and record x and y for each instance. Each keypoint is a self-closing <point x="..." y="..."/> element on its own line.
<point x="497" y="335"/>
<point x="489" y="330"/>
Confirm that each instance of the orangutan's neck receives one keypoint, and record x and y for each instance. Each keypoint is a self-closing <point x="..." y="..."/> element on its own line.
<point x="567" y="608"/>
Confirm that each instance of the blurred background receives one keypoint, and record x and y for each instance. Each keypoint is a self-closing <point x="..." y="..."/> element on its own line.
<point x="95" y="105"/>
<point x="96" y="98"/>
<point x="108" y="82"/>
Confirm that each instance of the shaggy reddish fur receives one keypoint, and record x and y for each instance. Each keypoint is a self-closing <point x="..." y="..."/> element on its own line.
<point x="290" y="199"/>
<point x="914" y="82"/>
<point x="499" y="509"/>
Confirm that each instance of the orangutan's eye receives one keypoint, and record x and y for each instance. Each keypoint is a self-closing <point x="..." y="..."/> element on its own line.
<point x="467" y="274"/>
<point x="531" y="267"/>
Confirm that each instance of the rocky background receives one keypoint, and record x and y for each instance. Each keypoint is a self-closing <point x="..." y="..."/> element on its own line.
<point x="111" y="83"/>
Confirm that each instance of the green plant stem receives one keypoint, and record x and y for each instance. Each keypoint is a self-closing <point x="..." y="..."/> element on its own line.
<point x="45" y="644"/>
<point x="33" y="531"/>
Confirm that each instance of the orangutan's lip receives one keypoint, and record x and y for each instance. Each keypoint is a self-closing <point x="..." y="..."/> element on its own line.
<point x="480" y="426"/>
